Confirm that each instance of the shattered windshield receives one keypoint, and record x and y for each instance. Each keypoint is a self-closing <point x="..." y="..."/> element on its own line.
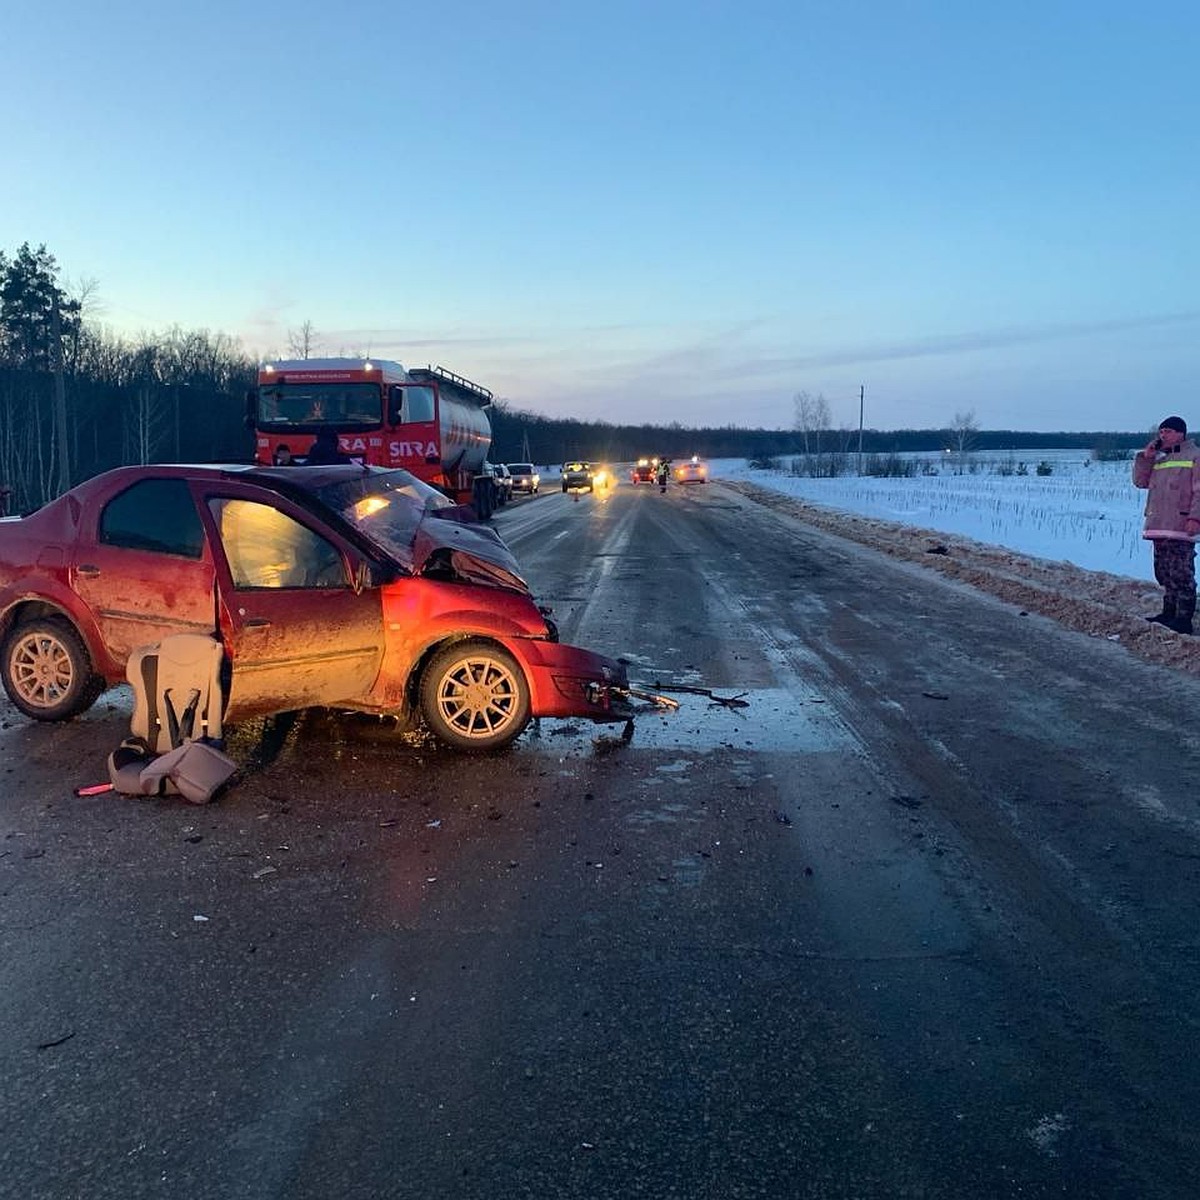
<point x="386" y="507"/>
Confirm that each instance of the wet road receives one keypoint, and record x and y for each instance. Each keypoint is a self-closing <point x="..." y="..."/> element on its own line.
<point x="920" y="921"/>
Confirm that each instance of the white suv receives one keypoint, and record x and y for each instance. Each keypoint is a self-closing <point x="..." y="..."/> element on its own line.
<point x="524" y="478"/>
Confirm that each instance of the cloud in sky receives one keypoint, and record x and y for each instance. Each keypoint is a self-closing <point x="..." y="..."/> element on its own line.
<point x="939" y="345"/>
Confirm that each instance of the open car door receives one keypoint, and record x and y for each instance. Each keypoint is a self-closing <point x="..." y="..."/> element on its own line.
<point x="299" y="632"/>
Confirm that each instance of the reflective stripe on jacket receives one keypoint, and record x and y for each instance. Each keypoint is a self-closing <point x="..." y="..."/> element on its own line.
<point x="1172" y="480"/>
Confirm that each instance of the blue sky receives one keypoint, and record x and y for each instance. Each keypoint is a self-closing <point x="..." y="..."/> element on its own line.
<point x="642" y="211"/>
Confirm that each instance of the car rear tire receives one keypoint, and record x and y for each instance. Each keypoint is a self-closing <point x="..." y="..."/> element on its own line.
<point x="48" y="672"/>
<point x="474" y="696"/>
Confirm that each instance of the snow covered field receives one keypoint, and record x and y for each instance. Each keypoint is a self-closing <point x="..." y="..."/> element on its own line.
<point x="1086" y="513"/>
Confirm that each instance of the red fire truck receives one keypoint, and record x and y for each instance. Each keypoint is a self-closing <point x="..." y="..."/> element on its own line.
<point x="425" y="419"/>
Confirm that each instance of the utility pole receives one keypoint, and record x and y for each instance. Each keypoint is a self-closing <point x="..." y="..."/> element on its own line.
<point x="861" y="393"/>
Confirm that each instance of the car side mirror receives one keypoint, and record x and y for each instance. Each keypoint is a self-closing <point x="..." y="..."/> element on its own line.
<point x="251" y="407"/>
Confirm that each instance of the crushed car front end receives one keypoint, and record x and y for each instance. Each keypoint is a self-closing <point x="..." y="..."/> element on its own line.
<point x="569" y="681"/>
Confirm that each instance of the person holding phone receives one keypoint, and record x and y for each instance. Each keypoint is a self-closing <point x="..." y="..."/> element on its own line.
<point x="1169" y="468"/>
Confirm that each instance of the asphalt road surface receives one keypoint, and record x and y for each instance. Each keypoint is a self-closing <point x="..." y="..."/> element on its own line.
<point x="919" y="921"/>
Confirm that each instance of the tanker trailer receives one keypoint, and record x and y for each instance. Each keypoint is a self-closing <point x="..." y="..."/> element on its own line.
<point x="427" y="420"/>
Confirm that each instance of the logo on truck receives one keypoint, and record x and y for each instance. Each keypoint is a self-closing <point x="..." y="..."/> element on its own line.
<point x="413" y="449"/>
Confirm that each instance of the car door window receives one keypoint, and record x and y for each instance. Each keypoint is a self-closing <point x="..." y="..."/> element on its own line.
<point x="155" y="514"/>
<point x="266" y="548"/>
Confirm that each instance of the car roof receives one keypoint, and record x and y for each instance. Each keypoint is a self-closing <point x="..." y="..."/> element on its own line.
<point x="347" y="470"/>
<point x="290" y="478"/>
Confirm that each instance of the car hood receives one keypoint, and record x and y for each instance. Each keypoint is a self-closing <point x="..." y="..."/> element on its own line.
<point x="414" y="526"/>
<point x="449" y="544"/>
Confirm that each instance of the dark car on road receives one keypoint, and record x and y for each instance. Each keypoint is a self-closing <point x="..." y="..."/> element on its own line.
<point x="578" y="475"/>
<point x="342" y="586"/>
<point x="504" y="481"/>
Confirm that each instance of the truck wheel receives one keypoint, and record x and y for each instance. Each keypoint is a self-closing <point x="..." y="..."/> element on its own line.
<point x="47" y="670"/>
<point x="474" y="696"/>
<point x="483" y="498"/>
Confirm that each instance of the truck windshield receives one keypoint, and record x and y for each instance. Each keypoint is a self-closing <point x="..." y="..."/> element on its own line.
<point x="386" y="507"/>
<point x="300" y="406"/>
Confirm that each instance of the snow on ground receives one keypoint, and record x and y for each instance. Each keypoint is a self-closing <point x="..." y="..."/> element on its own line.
<point x="1084" y="512"/>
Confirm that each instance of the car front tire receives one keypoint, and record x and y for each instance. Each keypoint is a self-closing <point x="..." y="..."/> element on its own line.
<point x="48" y="672"/>
<point x="474" y="696"/>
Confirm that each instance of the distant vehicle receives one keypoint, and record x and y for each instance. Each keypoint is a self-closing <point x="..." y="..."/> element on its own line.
<point x="504" y="482"/>
<point x="343" y="587"/>
<point x="578" y="475"/>
<point x="525" y="478"/>
<point x="692" y="471"/>
<point x="643" y="471"/>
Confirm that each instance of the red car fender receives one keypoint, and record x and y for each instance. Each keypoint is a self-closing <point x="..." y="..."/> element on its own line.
<point x="421" y="614"/>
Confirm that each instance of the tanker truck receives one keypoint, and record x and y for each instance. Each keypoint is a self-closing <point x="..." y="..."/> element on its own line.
<point x="427" y="420"/>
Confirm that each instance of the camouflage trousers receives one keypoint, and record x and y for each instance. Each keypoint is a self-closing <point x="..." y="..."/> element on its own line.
<point x="1175" y="569"/>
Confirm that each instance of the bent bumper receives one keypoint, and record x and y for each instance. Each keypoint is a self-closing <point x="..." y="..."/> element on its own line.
<point x="568" y="681"/>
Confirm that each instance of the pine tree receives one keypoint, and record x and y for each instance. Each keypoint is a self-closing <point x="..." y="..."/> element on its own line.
<point x="29" y="291"/>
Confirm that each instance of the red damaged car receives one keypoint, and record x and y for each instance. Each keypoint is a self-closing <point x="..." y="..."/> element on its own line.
<point x="342" y="586"/>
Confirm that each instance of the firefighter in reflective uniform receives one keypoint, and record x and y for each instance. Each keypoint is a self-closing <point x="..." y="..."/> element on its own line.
<point x="1169" y="468"/>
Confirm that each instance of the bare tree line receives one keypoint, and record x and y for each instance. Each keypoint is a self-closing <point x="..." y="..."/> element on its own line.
<point x="825" y="450"/>
<point x="76" y="398"/>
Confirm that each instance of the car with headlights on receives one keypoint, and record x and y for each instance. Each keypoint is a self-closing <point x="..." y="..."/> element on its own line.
<point x="578" y="474"/>
<point x="340" y="586"/>
<point x="691" y="471"/>
<point x="525" y="478"/>
<point x="643" y="470"/>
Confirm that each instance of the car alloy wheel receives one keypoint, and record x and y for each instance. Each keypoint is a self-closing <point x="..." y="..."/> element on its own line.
<point x="474" y="696"/>
<point x="47" y="670"/>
